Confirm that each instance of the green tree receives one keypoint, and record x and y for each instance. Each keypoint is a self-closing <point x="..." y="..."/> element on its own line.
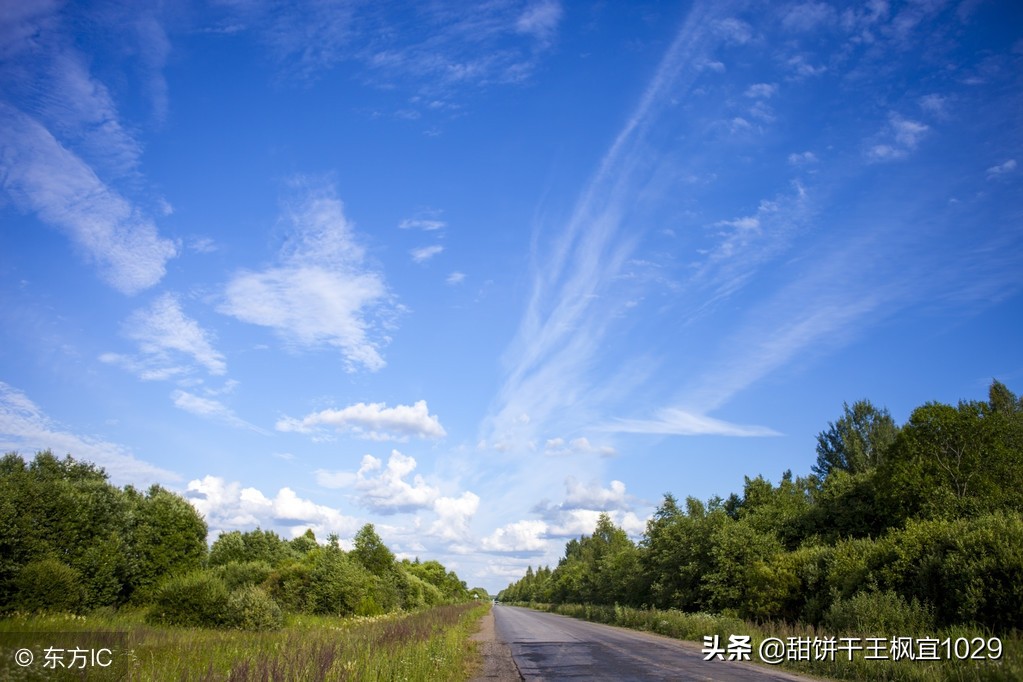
<point x="167" y="536"/>
<point x="371" y="552"/>
<point x="857" y="442"/>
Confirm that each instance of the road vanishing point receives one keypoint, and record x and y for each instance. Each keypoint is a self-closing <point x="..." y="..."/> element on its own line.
<point x="551" y="647"/>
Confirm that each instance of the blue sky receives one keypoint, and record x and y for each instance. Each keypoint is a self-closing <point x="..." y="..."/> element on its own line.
<point x="475" y="274"/>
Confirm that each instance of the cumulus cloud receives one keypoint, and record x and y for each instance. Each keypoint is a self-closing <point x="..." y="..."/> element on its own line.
<point x="453" y="516"/>
<point x="581" y="496"/>
<point x="226" y="505"/>
<point x="320" y="293"/>
<point x="374" y="421"/>
<point x="385" y="490"/>
<point x="25" y="427"/>
<point x="520" y="537"/>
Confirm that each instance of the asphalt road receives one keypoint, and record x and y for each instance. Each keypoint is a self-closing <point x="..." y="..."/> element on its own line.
<point x="546" y="646"/>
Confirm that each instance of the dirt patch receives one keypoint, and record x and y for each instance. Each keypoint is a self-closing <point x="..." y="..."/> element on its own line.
<point x="497" y="659"/>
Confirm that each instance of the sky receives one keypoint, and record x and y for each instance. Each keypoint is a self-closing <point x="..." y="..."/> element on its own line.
<point x="476" y="273"/>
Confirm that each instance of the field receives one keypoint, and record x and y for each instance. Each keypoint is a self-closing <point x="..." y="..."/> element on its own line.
<point x="426" y="645"/>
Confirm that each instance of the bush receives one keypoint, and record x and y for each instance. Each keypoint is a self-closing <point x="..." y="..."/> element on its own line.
<point x="880" y="613"/>
<point x="196" y="599"/>
<point x="289" y="586"/>
<point x="48" y="585"/>
<point x="251" y="608"/>
<point x="243" y="573"/>
<point x="338" y="585"/>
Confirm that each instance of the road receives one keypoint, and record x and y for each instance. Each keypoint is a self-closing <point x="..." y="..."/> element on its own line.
<point x="547" y="646"/>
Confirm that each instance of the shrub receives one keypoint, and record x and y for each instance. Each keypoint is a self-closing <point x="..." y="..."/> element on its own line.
<point x="289" y="586"/>
<point x="243" y="573"/>
<point x="196" y="599"/>
<point x="251" y="608"/>
<point x="880" y="613"/>
<point x="48" y="585"/>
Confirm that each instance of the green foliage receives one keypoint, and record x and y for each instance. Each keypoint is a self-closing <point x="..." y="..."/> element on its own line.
<point x="901" y="527"/>
<point x="196" y="599"/>
<point x="869" y="613"/>
<point x="371" y="552"/>
<point x="857" y="442"/>
<point x="243" y="573"/>
<point x="290" y="586"/>
<point x="251" y="608"/>
<point x="48" y="585"/>
<point x="255" y="545"/>
<point x="338" y="585"/>
<point x="166" y="536"/>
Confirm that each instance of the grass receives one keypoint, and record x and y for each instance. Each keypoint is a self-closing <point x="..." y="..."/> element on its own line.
<point x="695" y="626"/>
<point x="422" y="646"/>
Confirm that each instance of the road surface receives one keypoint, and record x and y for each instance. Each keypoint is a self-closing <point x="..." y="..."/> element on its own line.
<point x="546" y="646"/>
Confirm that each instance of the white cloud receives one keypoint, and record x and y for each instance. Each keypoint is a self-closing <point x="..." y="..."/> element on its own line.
<point x="676" y="421"/>
<point x="809" y="15"/>
<point x="43" y="177"/>
<point x="421" y="224"/>
<point x="520" y="537"/>
<point x="540" y="19"/>
<point x="934" y="104"/>
<point x="453" y="516"/>
<point x="227" y="506"/>
<point x="802" y="158"/>
<point x="581" y="496"/>
<point x="211" y="409"/>
<point x="761" y="90"/>
<point x="577" y="446"/>
<point x="1001" y="169"/>
<point x="455" y="278"/>
<point x="803" y="68"/>
<point x="163" y="330"/>
<point x="388" y="492"/>
<point x="374" y="421"/>
<point x="735" y="30"/>
<point x="897" y="139"/>
<point x="425" y="253"/>
<point x="25" y="428"/>
<point x="320" y="294"/>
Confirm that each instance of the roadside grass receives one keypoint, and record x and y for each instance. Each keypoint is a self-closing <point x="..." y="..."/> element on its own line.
<point x="427" y="645"/>
<point x="696" y="626"/>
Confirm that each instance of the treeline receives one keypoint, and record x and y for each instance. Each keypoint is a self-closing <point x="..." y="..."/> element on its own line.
<point x="70" y="541"/>
<point x="901" y="528"/>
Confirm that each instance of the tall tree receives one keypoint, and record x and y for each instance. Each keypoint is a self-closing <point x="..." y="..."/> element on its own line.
<point x="856" y="442"/>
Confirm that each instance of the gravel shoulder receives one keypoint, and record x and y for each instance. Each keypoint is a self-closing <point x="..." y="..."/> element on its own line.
<point x="497" y="659"/>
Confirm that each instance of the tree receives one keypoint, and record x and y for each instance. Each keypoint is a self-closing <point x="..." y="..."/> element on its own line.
<point x="166" y="536"/>
<point x="857" y="442"/>
<point x="371" y="552"/>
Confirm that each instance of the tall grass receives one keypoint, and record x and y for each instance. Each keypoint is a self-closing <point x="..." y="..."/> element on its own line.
<point x="421" y="646"/>
<point x="695" y="626"/>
